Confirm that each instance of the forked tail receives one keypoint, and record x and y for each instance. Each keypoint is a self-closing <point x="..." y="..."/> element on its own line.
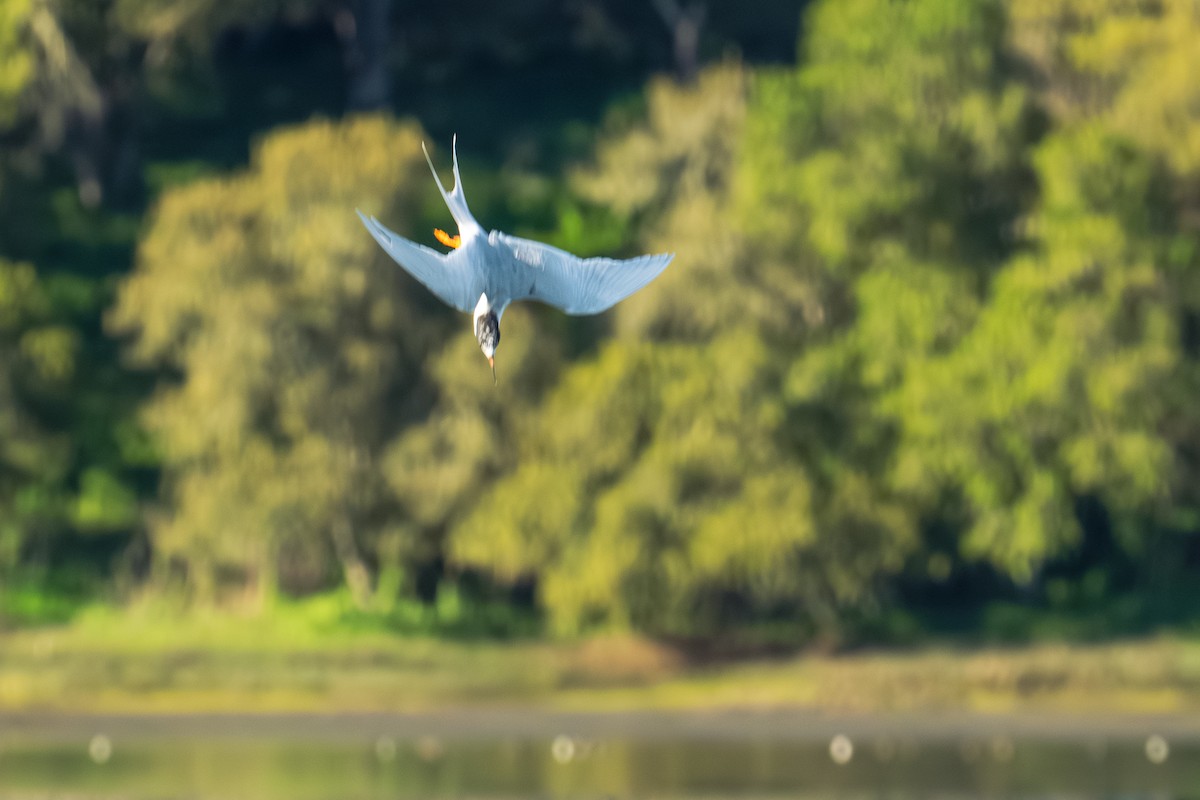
<point x="468" y="228"/>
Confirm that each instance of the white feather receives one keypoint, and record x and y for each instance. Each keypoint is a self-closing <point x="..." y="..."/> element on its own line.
<point x="507" y="268"/>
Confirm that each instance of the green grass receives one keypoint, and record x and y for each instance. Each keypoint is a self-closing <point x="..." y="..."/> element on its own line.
<point x="306" y="658"/>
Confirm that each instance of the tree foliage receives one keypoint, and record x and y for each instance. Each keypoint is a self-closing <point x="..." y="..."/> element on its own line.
<point x="16" y="60"/>
<point x="292" y="343"/>
<point x="665" y="486"/>
<point x="934" y="316"/>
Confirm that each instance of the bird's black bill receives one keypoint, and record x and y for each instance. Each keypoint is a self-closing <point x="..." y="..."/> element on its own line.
<point x="492" y="364"/>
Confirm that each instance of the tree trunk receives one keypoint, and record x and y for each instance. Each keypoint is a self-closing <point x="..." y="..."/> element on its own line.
<point x="85" y="142"/>
<point x="366" y="38"/>
<point x="123" y="145"/>
<point x="201" y="582"/>
<point x="685" y="25"/>
<point x="104" y="142"/>
<point x="354" y="569"/>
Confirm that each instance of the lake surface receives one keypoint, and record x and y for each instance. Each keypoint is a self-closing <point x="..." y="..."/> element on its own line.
<point x="517" y="755"/>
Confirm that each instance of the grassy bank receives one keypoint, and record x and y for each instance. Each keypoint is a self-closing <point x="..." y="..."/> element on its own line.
<point x="106" y="661"/>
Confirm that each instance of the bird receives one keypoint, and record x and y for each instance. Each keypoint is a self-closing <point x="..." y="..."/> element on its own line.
<point x="485" y="271"/>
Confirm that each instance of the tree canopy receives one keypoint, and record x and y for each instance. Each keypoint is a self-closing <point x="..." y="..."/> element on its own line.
<point x="931" y="332"/>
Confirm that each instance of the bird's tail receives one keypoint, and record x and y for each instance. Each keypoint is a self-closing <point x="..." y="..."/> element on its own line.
<point x="468" y="228"/>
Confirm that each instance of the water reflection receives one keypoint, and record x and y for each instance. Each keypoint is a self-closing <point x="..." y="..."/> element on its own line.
<point x="563" y="766"/>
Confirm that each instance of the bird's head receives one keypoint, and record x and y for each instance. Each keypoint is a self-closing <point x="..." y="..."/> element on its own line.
<point x="487" y="331"/>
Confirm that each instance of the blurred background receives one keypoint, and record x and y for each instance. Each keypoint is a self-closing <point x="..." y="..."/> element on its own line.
<point x="909" y="427"/>
<point x="920" y="384"/>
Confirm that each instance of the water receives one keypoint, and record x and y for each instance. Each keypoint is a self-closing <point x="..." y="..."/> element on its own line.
<point x="309" y="763"/>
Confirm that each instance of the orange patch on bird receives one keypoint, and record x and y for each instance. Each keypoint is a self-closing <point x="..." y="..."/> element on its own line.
<point x="447" y="239"/>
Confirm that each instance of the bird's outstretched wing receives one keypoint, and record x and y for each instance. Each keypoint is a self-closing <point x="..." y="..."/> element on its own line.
<point x="450" y="277"/>
<point x="577" y="285"/>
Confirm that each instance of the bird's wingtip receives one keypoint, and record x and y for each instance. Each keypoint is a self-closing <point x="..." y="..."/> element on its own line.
<point x="433" y="169"/>
<point x="454" y="163"/>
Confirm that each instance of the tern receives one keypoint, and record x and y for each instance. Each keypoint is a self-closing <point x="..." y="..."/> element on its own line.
<point x="485" y="271"/>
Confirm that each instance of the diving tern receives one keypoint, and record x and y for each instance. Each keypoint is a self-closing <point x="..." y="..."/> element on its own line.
<point x="485" y="271"/>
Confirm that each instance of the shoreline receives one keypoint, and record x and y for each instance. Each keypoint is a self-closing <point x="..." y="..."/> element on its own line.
<point x="472" y="724"/>
<point x="255" y="674"/>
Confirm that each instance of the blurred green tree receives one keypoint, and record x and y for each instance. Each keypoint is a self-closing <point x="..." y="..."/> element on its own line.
<point x="891" y="169"/>
<point x="670" y="179"/>
<point x="937" y="281"/>
<point x="87" y="73"/>
<point x="57" y="483"/>
<point x="469" y="435"/>
<point x="1063" y="386"/>
<point x="1117" y="230"/>
<point x="293" y="342"/>
<point x="16" y="59"/>
<point x="661" y="485"/>
<point x="34" y="462"/>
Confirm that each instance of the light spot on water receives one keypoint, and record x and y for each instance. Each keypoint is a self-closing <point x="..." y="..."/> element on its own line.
<point x="562" y="749"/>
<point x="1157" y="749"/>
<point x="100" y="749"/>
<point x="841" y="749"/>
